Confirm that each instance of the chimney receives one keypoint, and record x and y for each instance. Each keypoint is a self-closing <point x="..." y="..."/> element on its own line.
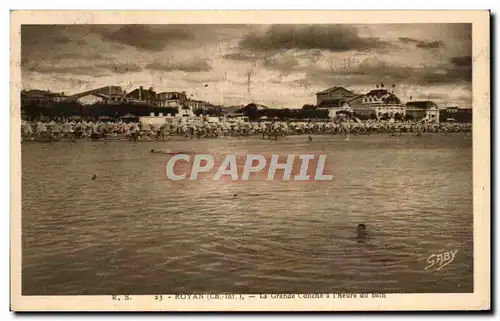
<point x="140" y="93"/>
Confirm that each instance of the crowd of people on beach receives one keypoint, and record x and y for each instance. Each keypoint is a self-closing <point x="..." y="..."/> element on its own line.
<point x="71" y="130"/>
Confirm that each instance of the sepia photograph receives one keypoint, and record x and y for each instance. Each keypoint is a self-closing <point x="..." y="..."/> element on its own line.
<point x="231" y="160"/>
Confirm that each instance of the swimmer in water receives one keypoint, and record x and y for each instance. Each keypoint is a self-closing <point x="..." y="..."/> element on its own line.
<point x="310" y="138"/>
<point x="361" y="231"/>
<point x="160" y="151"/>
<point x="94" y="177"/>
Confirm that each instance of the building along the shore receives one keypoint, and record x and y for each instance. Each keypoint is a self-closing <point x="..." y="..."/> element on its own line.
<point x="107" y="94"/>
<point x="333" y="93"/>
<point x="152" y="119"/>
<point x="334" y="100"/>
<point x="456" y="114"/>
<point x="422" y="110"/>
<point x="333" y="106"/>
<point x="171" y="99"/>
<point x="142" y="96"/>
<point x="91" y="99"/>
<point x="197" y="104"/>
<point x="41" y="97"/>
<point x="378" y="103"/>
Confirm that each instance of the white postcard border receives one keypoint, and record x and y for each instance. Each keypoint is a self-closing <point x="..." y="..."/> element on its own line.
<point x="480" y="299"/>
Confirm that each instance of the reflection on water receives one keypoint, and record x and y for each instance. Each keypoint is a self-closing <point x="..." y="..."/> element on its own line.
<point x="133" y="231"/>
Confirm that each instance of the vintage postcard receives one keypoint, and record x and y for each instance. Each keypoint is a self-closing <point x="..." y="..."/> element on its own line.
<point x="250" y="160"/>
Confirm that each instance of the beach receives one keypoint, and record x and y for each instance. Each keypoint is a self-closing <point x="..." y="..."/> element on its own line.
<point x="70" y="130"/>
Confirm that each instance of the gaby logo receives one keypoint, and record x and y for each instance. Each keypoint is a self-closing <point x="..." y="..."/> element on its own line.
<point x="304" y="167"/>
<point x="440" y="260"/>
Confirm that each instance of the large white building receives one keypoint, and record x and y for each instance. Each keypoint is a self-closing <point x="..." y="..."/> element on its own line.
<point x="171" y="99"/>
<point x="380" y="102"/>
<point x="90" y="99"/>
<point x="156" y="120"/>
<point x="423" y="110"/>
<point x="185" y="112"/>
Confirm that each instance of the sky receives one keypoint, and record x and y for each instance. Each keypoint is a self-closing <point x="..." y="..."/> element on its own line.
<point x="275" y="65"/>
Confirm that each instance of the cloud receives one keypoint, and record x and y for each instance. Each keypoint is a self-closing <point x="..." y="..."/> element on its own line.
<point x="422" y="44"/>
<point x="148" y="37"/>
<point x="292" y="59"/>
<point x="59" y="69"/>
<point x="53" y="47"/>
<point x="462" y="61"/>
<point x="335" y="38"/>
<point x="430" y="45"/>
<point x="96" y="70"/>
<point x="120" y="68"/>
<point x="187" y="66"/>
<point x="240" y="56"/>
<point x="284" y="64"/>
<point x="461" y="68"/>
<point x="72" y="81"/>
<point x="375" y="70"/>
<point x="28" y="61"/>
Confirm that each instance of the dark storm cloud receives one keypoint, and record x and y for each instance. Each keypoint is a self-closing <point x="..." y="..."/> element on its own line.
<point x="97" y="70"/>
<point x="40" y="37"/>
<point x="157" y="37"/>
<point x="335" y="38"/>
<point x="47" y="48"/>
<point x="146" y="37"/>
<point x="430" y="44"/>
<point x="187" y="66"/>
<point x="373" y="72"/>
<point x="463" y="61"/>
<point x="36" y="40"/>
<point x="461" y="68"/>
<point x="423" y="44"/>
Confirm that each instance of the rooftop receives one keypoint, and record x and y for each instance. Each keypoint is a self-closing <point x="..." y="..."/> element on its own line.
<point x="333" y="89"/>
<point x="332" y="103"/>
<point x="423" y="104"/>
<point x="379" y="93"/>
